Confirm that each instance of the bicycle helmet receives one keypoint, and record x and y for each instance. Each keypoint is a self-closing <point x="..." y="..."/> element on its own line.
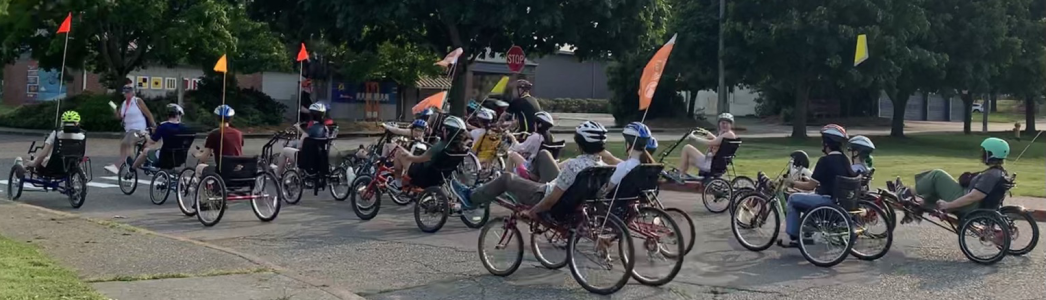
<point x="71" y="117"/>
<point x="833" y="136"/>
<point x="424" y="114"/>
<point x="175" y="109"/>
<point x="544" y="117"/>
<point x="800" y="159"/>
<point x="224" y="111"/>
<point x="523" y="84"/>
<point x="636" y="134"/>
<point x="994" y="149"/>
<point x="485" y="114"/>
<point x="453" y="125"/>
<point x="419" y="123"/>
<point x="726" y="117"/>
<point x="318" y="107"/>
<point x="591" y="137"/>
<point x="473" y="105"/>
<point x="651" y="145"/>
<point x="862" y="145"/>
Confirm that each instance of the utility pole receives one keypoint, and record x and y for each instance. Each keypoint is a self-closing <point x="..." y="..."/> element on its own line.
<point x="724" y="104"/>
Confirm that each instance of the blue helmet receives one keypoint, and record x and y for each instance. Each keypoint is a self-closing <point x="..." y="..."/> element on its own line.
<point x="224" y="111"/>
<point x="473" y="105"/>
<point x="651" y="145"/>
<point x="424" y="114"/>
<point x="419" y="123"/>
<point x="636" y="134"/>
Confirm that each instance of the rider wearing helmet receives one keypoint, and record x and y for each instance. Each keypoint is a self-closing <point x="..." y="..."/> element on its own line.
<point x="637" y="137"/>
<point x="591" y="139"/>
<point x="691" y="156"/>
<point x="651" y="146"/>
<point x="524" y="108"/>
<point x="424" y="169"/>
<point x="861" y="148"/>
<point x="164" y="132"/>
<point x="315" y="127"/>
<point x="222" y="141"/>
<point x="520" y="155"/>
<point x="70" y="131"/>
<point x="485" y="140"/>
<point x="987" y="188"/>
<point x="822" y="181"/>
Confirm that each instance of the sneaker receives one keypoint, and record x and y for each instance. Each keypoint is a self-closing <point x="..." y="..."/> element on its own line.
<point x="112" y="169"/>
<point x="395" y="185"/>
<point x="672" y="175"/>
<point x="463" y="192"/>
<point x="130" y="163"/>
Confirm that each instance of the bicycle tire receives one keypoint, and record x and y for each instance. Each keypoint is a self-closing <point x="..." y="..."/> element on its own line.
<point x="627" y="258"/>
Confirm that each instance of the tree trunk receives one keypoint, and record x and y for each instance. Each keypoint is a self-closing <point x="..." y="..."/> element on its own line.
<point x="967" y="111"/>
<point x="1029" y="115"/>
<point x="900" y="105"/>
<point x="457" y="90"/>
<point x="995" y="99"/>
<point x="802" y="93"/>
<point x="691" y="100"/>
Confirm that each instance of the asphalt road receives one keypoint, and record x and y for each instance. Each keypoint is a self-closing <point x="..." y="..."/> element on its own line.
<point x="389" y="258"/>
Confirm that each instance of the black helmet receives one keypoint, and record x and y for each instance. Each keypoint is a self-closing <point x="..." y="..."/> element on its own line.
<point x="800" y="159"/>
<point x="524" y="84"/>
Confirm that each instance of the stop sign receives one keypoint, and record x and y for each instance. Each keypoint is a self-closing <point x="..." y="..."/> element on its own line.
<point x="515" y="58"/>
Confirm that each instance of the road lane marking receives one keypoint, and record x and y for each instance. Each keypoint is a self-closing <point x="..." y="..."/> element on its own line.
<point x="24" y="186"/>
<point x="117" y="179"/>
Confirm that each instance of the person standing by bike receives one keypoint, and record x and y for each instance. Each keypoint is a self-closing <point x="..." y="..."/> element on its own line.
<point x="136" y="117"/>
<point x="523" y="109"/>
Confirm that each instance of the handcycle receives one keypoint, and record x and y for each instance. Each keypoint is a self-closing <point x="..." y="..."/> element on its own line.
<point x="716" y="191"/>
<point x="575" y="218"/>
<point x="163" y="171"/>
<point x="314" y="171"/>
<point x="993" y="224"/>
<point x="844" y="223"/>
<point x="237" y="178"/>
<point x="64" y="172"/>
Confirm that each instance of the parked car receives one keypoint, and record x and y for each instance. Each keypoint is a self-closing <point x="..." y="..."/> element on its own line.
<point x="977" y="108"/>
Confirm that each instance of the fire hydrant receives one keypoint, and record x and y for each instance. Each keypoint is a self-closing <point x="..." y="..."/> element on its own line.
<point x="1017" y="130"/>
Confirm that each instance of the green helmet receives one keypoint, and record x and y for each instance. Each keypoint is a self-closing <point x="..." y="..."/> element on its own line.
<point x="71" y="117"/>
<point x="995" y="148"/>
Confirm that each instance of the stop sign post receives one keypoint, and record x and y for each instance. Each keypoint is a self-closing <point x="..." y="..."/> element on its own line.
<point x="515" y="58"/>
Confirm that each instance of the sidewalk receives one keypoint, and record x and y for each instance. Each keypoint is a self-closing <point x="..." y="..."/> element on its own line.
<point x="123" y="262"/>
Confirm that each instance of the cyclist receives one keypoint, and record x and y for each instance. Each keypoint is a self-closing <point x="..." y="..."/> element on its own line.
<point x="315" y="128"/>
<point x="690" y="156"/>
<point x="485" y="139"/>
<point x="828" y="167"/>
<point x="936" y="188"/>
<point x="521" y="155"/>
<point x="523" y="109"/>
<point x="861" y="148"/>
<point x="591" y="139"/>
<point x="423" y="169"/>
<point x="173" y="126"/>
<point x="224" y="140"/>
<point x="70" y="131"/>
<point x="136" y="117"/>
<point x="637" y="138"/>
<point x="651" y="146"/>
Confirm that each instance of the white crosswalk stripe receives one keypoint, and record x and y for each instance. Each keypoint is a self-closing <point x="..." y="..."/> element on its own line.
<point x="95" y="184"/>
<point x="117" y="179"/>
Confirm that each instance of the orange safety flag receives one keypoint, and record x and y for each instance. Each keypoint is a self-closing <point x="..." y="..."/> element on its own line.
<point x="452" y="58"/>
<point x="222" y="65"/>
<point x="652" y="74"/>
<point x="67" y="24"/>
<point x="435" y="101"/>
<point x="303" y="54"/>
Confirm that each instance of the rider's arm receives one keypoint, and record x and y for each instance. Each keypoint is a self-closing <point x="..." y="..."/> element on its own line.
<point x="549" y="200"/>
<point x="984" y="184"/>
<point x="398" y="131"/>
<point x="609" y="158"/>
<point x="970" y="198"/>
<point x="531" y="145"/>
<point x="204" y="154"/>
<point x="145" y="111"/>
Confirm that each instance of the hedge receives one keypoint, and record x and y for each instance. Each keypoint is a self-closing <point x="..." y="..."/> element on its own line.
<point x="572" y="105"/>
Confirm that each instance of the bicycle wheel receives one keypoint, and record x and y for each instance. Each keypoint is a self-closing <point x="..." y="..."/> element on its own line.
<point x="127" y="179"/>
<point x="549" y="247"/>
<point x="211" y="198"/>
<point x="989" y="231"/>
<point x="159" y="187"/>
<point x="77" y="188"/>
<point x="14" y="183"/>
<point x="738" y="193"/>
<point x="887" y="201"/>
<point x="468" y="170"/>
<point x="828" y="227"/>
<point x="872" y="227"/>
<point x="475" y="217"/>
<point x="186" y="192"/>
<point x="293" y="186"/>
<point x="502" y="246"/>
<point x="1024" y="232"/>
<point x="340" y="184"/>
<point x="686" y="225"/>
<point x="660" y="236"/>
<point x="365" y="198"/>
<point x="601" y="232"/>
<point x="431" y="210"/>
<point x="742" y="182"/>
<point x="754" y="218"/>
<point x="266" y="197"/>
<point x="716" y="195"/>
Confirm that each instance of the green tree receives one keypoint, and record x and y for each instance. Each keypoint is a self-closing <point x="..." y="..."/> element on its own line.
<point x="695" y="56"/>
<point x="595" y="28"/>
<point x="114" y="37"/>
<point x="623" y="80"/>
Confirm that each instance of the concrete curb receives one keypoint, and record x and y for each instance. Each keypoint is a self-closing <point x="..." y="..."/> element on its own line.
<point x="316" y="283"/>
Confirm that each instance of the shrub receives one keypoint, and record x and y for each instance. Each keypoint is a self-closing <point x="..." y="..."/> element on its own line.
<point x="571" y="105"/>
<point x="95" y="113"/>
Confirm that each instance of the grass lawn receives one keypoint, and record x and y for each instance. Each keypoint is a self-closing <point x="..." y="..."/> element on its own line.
<point x="904" y="157"/>
<point x="25" y="273"/>
<point x="998" y="117"/>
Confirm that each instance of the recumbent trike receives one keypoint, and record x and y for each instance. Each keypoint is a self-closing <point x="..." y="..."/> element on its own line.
<point x="64" y="172"/>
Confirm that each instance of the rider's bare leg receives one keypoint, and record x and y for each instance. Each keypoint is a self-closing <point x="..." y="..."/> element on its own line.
<point x="689" y="156"/>
<point x="514" y="160"/>
<point x="286" y="157"/>
<point x="400" y="163"/>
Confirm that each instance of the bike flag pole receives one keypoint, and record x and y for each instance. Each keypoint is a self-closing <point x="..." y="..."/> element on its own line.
<point x="303" y="55"/>
<point x="221" y="66"/>
<point x="652" y="75"/>
<point x="64" y="28"/>
<point x="1029" y="145"/>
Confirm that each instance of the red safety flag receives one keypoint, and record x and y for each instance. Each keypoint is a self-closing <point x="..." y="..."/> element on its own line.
<point x="67" y="24"/>
<point x="303" y="54"/>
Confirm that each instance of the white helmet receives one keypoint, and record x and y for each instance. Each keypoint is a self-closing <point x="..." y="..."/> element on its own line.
<point x="485" y="114"/>
<point x="318" y="107"/>
<point x="224" y="111"/>
<point x="591" y="132"/>
<point x="861" y="143"/>
<point x="453" y="124"/>
<point x="726" y="117"/>
<point x="544" y="117"/>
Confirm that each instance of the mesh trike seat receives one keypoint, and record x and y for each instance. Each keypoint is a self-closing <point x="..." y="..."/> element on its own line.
<point x="314" y="156"/>
<point x="175" y="150"/>
<point x="586" y="187"/>
<point x="722" y="159"/>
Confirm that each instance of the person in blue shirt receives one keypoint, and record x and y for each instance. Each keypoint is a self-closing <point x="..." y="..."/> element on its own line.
<point x="173" y="126"/>
<point x="315" y="128"/>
